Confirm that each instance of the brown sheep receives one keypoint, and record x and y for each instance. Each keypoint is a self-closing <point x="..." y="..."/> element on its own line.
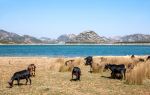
<point x="132" y="56"/>
<point x="148" y="58"/>
<point x="69" y="62"/>
<point x="31" y="68"/>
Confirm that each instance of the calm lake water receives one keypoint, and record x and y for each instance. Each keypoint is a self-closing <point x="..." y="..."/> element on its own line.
<point x="73" y="50"/>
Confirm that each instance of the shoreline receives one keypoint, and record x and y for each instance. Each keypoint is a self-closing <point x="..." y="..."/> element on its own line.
<point x="70" y="57"/>
<point x="73" y="44"/>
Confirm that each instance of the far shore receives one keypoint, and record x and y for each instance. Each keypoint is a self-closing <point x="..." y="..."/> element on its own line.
<point x="82" y="44"/>
<point x="65" y="57"/>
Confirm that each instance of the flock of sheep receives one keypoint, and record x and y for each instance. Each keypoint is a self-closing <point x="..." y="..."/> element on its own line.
<point x="118" y="71"/>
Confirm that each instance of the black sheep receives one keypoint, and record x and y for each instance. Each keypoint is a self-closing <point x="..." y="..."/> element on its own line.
<point x="76" y="72"/>
<point x="117" y="71"/>
<point x="89" y="61"/>
<point x="24" y="74"/>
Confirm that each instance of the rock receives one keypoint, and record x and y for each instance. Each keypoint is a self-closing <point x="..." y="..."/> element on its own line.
<point x="136" y="38"/>
<point x="84" y="37"/>
<point x="66" y="38"/>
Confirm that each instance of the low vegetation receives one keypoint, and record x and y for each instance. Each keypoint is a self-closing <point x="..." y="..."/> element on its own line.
<point x="53" y="77"/>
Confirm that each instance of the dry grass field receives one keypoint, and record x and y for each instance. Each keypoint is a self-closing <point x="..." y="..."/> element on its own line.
<point x="53" y="77"/>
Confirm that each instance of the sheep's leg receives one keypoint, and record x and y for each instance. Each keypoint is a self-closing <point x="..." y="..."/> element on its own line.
<point x="91" y="68"/>
<point x="18" y="80"/>
<point x="72" y="76"/>
<point x="79" y="77"/>
<point x="34" y="73"/>
<point x="123" y="75"/>
<point x="30" y="80"/>
<point x="111" y="74"/>
<point x="26" y="81"/>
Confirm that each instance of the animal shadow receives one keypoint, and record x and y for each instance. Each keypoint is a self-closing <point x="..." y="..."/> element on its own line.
<point x="111" y="78"/>
<point x="20" y="84"/>
<point x="8" y="87"/>
<point x="107" y="77"/>
<point x="74" y="80"/>
<point x="90" y="71"/>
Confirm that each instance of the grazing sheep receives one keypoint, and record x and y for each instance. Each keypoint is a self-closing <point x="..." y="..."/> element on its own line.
<point x="77" y="73"/>
<point x="24" y="74"/>
<point x="69" y="62"/>
<point x="31" y="68"/>
<point x="148" y="58"/>
<point x="132" y="56"/>
<point x="141" y="60"/>
<point x="117" y="71"/>
<point x="89" y="61"/>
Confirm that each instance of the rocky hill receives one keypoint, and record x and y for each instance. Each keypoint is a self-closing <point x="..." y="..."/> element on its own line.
<point x="29" y="39"/>
<point x="8" y="37"/>
<point x="13" y="38"/>
<point x="84" y="37"/>
<point x="66" y="38"/>
<point x="88" y="37"/>
<point x="135" y="38"/>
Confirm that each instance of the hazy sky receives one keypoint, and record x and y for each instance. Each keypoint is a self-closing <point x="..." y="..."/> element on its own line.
<point x="51" y="18"/>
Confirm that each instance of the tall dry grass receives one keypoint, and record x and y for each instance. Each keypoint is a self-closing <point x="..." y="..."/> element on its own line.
<point x="97" y="68"/>
<point x="56" y="64"/>
<point x="147" y="65"/>
<point x="99" y="62"/>
<point x="137" y="75"/>
<point x="67" y="68"/>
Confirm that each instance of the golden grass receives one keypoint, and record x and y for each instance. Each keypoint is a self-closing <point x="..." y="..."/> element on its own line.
<point x="67" y="68"/>
<point x="97" y="66"/>
<point x="140" y="72"/>
<point x="147" y="65"/>
<point x="136" y="75"/>
<point x="100" y="61"/>
<point x="49" y="81"/>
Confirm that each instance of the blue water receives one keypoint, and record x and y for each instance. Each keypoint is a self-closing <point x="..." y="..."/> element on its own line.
<point x="73" y="50"/>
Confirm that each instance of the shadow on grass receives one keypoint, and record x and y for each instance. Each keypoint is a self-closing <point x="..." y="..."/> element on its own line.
<point x="20" y="84"/>
<point x="90" y="71"/>
<point x="107" y="77"/>
<point x="8" y="87"/>
<point x="111" y="78"/>
<point x="74" y="80"/>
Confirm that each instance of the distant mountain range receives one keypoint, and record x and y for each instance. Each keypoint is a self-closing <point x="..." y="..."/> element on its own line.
<point x="86" y="37"/>
<point x="136" y="38"/>
<point x="13" y="38"/>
